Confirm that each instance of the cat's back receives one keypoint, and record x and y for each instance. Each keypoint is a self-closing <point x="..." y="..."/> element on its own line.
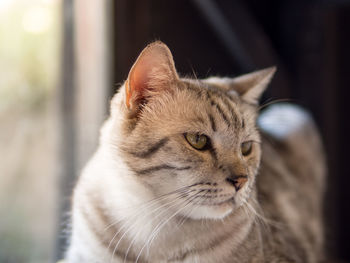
<point x="291" y="182"/>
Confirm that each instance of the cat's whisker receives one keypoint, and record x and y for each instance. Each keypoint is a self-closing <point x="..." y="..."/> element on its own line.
<point x="143" y="206"/>
<point x="140" y="230"/>
<point x="251" y="215"/>
<point x="260" y="219"/>
<point x="152" y="201"/>
<point x="185" y="199"/>
<point x="173" y="201"/>
<point x="269" y="221"/>
<point x="195" y="75"/>
<point x="195" y="196"/>
<point x="154" y="229"/>
<point x="140" y="208"/>
<point x="138" y="212"/>
<point x="273" y="102"/>
<point x="182" y="194"/>
<point x="160" y="225"/>
<point x="132" y="225"/>
<point x="248" y="213"/>
<point x="185" y="217"/>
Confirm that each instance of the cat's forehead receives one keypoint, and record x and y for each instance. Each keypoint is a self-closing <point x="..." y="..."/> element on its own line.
<point x="210" y="86"/>
<point x="214" y="96"/>
<point x="205" y="106"/>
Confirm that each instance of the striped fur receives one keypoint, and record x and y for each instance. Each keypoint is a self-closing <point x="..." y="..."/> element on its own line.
<point x="148" y="196"/>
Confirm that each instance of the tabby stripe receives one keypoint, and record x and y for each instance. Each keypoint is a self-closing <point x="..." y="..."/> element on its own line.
<point x="212" y="122"/>
<point x="214" y="244"/>
<point x="231" y="108"/>
<point x="223" y="115"/>
<point x="207" y="94"/>
<point x="213" y="153"/>
<point x="233" y="101"/>
<point x="152" y="150"/>
<point x="161" y="167"/>
<point x="219" y="109"/>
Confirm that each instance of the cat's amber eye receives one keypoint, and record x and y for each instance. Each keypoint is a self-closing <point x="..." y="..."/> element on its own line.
<point x="246" y="148"/>
<point x="197" y="141"/>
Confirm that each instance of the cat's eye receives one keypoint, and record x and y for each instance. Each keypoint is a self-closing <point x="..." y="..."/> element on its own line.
<point x="197" y="141"/>
<point x="246" y="148"/>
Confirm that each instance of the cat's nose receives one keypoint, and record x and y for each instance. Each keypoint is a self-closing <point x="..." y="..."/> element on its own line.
<point x="237" y="181"/>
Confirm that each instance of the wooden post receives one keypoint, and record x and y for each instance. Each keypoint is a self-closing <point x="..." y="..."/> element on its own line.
<point x="86" y="81"/>
<point x="66" y="118"/>
<point x="93" y="81"/>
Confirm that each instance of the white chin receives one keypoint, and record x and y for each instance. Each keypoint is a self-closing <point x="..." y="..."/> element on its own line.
<point x="210" y="212"/>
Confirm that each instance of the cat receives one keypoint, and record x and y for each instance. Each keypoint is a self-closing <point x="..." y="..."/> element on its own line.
<point x="183" y="173"/>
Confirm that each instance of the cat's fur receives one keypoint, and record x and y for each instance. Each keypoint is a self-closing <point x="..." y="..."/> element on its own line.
<point x="148" y="196"/>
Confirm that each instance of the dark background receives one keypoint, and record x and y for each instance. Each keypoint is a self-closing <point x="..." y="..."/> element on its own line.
<point x="309" y="42"/>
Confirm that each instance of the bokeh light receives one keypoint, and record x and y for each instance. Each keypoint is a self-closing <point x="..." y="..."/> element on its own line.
<point x="37" y="20"/>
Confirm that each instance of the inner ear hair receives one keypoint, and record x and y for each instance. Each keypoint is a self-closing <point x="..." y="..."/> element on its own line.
<point x="151" y="74"/>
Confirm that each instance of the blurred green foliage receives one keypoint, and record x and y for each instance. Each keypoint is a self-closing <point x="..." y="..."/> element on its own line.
<point x="29" y="68"/>
<point x="29" y="56"/>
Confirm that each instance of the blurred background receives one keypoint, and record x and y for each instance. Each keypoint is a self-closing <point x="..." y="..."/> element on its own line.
<point x="62" y="60"/>
<point x="30" y="41"/>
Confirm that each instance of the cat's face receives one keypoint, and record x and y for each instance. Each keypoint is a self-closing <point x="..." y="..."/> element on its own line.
<point x="192" y="143"/>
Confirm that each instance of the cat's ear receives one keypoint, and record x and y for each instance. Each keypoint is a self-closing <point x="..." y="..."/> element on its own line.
<point x="153" y="72"/>
<point x="251" y="86"/>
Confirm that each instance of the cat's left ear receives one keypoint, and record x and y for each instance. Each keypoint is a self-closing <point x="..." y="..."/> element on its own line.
<point x="251" y="86"/>
<point x="152" y="73"/>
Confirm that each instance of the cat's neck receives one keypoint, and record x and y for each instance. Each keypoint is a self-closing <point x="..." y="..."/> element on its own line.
<point x="177" y="241"/>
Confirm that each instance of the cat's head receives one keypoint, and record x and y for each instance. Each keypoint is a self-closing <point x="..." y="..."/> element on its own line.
<point x="191" y="143"/>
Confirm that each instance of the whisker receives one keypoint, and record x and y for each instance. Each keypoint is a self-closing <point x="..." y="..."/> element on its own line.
<point x="132" y="225"/>
<point x="153" y="200"/>
<point x="184" y="218"/>
<point x="160" y="225"/>
<point x="264" y="105"/>
<point x="173" y="201"/>
<point x="264" y="222"/>
<point x="146" y="207"/>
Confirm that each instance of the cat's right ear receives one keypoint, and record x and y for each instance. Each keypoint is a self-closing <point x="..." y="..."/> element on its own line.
<point x="248" y="86"/>
<point x="152" y="73"/>
<point x="251" y="86"/>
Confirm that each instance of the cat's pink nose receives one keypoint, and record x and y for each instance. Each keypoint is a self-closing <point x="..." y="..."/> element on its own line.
<point x="237" y="181"/>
